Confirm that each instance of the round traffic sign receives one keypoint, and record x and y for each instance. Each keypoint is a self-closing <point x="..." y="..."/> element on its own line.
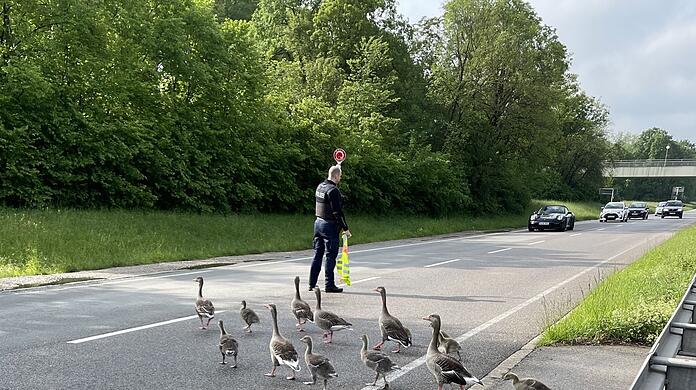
<point x="339" y="155"/>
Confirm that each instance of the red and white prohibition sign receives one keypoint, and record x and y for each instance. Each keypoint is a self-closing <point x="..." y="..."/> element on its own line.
<point x="339" y="155"/>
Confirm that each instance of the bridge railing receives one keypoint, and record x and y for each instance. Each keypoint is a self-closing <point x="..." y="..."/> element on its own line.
<point x="671" y="363"/>
<point x="651" y="163"/>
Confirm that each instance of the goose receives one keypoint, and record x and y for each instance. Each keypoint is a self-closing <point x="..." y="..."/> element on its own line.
<point x="390" y="327"/>
<point x="204" y="308"/>
<point x="300" y="308"/>
<point x="319" y="366"/>
<point x="228" y="345"/>
<point x="448" y="345"/>
<point x="525" y="383"/>
<point x="282" y="351"/>
<point x="248" y="316"/>
<point x="377" y="362"/>
<point x="328" y="321"/>
<point x="445" y="368"/>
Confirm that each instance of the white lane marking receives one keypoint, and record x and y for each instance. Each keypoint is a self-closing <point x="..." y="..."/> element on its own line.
<point x="421" y="360"/>
<point x="536" y="242"/>
<point x="361" y="281"/>
<point x="600" y="229"/>
<point x="137" y="328"/>
<point x="500" y="250"/>
<point x="575" y="235"/>
<point x="442" y="262"/>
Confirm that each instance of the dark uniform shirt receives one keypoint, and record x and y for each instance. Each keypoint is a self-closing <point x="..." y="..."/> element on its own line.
<point x="328" y="204"/>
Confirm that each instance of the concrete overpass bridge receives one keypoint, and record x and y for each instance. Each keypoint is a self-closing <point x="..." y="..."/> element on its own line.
<point x="650" y="168"/>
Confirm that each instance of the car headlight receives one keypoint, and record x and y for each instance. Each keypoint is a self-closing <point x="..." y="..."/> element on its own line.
<point x="559" y="217"/>
<point x="533" y="217"/>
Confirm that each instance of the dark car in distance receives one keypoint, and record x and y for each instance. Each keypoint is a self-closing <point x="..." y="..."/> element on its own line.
<point x="638" y="210"/>
<point x="556" y="217"/>
<point x="673" y="207"/>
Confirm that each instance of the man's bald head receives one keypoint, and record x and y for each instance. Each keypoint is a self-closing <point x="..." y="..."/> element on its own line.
<point x="335" y="173"/>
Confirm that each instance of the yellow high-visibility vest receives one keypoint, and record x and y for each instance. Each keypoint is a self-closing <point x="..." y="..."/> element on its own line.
<point x="343" y="264"/>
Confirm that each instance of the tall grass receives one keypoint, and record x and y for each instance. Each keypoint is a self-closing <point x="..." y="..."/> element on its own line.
<point x="632" y="305"/>
<point x="50" y="241"/>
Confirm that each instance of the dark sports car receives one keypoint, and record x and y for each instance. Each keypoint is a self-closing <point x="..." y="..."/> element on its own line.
<point x="555" y="217"/>
<point x="638" y="210"/>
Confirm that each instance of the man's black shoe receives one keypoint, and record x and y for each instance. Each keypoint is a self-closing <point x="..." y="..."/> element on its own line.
<point x="333" y="289"/>
<point x="311" y="289"/>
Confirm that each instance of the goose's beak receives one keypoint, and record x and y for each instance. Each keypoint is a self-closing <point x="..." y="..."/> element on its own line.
<point x="427" y="318"/>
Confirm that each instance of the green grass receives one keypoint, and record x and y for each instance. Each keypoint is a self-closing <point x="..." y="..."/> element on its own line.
<point x="632" y="305"/>
<point x="52" y="241"/>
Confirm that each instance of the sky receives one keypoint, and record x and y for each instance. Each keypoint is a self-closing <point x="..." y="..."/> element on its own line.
<point x="638" y="57"/>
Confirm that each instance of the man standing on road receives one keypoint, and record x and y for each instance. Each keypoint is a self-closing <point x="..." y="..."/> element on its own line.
<point x="330" y="220"/>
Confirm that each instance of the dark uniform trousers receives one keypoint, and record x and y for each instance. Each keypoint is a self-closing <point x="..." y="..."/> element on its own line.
<point x="325" y="242"/>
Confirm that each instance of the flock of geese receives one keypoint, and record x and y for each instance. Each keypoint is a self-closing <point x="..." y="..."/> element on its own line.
<point x="445" y="368"/>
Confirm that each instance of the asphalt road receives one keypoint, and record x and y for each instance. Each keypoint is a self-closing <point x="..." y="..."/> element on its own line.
<point x="494" y="291"/>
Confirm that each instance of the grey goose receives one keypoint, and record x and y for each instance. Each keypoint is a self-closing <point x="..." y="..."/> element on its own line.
<point x="204" y="307"/>
<point x="390" y="327"/>
<point x="445" y="369"/>
<point x="376" y="361"/>
<point x="525" y="383"/>
<point x="283" y="353"/>
<point x="328" y="321"/>
<point x="249" y="317"/>
<point x="318" y="365"/>
<point x="300" y="309"/>
<point x="228" y="345"/>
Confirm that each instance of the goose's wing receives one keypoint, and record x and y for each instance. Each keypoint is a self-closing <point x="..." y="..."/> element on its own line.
<point x="228" y="344"/>
<point x="302" y="310"/>
<point x="284" y="350"/>
<point x="205" y="307"/>
<point x="333" y="319"/>
<point x="249" y="316"/>
<point x="396" y="331"/>
<point x="378" y="361"/>
<point x="452" y="370"/>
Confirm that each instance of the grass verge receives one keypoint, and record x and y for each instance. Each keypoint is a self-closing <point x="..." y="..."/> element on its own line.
<point x="53" y="241"/>
<point x="634" y="304"/>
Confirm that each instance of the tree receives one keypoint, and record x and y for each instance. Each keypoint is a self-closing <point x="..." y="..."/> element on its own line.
<point x="582" y="148"/>
<point x="497" y="79"/>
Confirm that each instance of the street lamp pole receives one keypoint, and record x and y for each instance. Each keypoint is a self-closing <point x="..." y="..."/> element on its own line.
<point x="666" y="151"/>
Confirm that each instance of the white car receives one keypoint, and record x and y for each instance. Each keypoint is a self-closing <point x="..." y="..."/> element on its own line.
<point x="614" y="211"/>
<point x="659" y="208"/>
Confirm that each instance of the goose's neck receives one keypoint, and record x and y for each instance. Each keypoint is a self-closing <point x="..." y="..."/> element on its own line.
<point x="274" y="314"/>
<point x="200" y="289"/>
<point x="436" y="332"/>
<point x="318" y="300"/>
<point x="309" y="348"/>
<point x="222" y="330"/>
<point x="384" y="303"/>
<point x="364" y="346"/>
<point x="297" y="288"/>
<point x="515" y="379"/>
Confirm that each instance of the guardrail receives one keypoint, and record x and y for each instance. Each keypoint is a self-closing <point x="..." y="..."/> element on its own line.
<point x="671" y="363"/>
<point x="650" y="163"/>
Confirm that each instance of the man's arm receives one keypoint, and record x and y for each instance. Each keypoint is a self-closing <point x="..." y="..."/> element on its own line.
<point x="335" y="199"/>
